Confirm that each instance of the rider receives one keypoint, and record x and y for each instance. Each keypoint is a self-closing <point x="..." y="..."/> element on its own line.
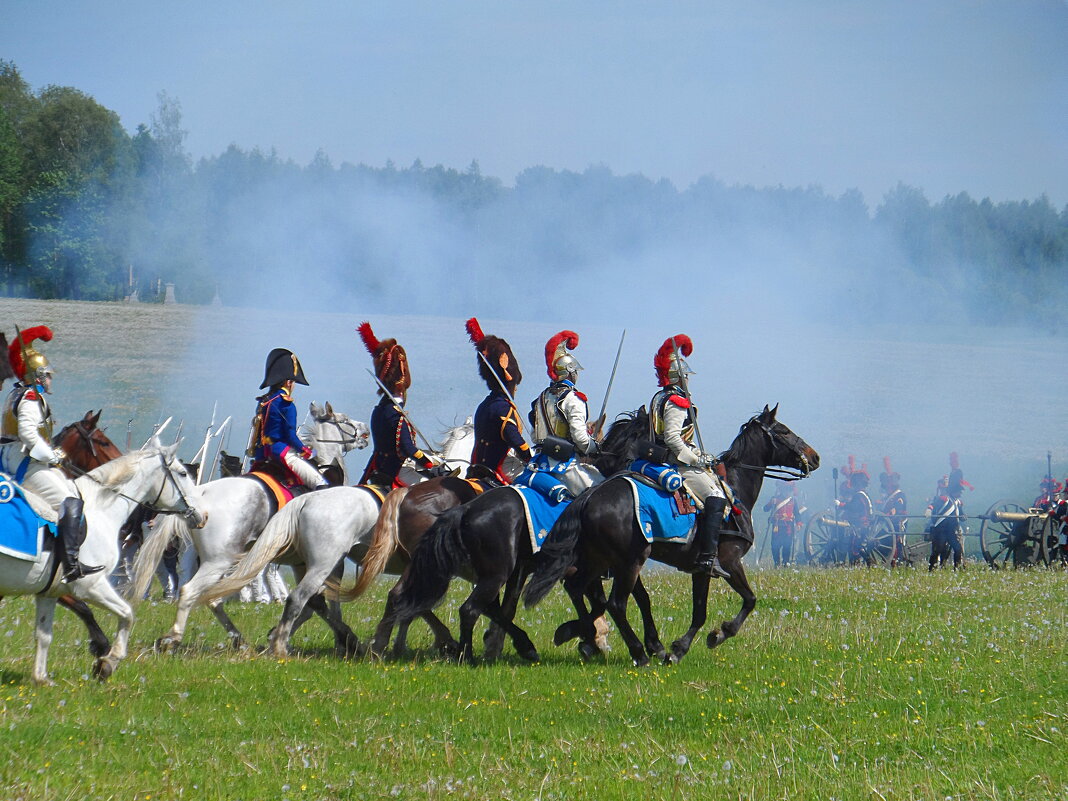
<point x="498" y="427"/>
<point x="673" y="420"/>
<point x="393" y="439"/>
<point x="786" y="514"/>
<point x="559" y="417"/>
<point x="278" y="441"/>
<point x="26" y="452"/>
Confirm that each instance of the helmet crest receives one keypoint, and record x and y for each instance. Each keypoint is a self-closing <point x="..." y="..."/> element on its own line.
<point x="496" y="354"/>
<point x="390" y="360"/>
<point x="24" y="359"/>
<point x="665" y="359"/>
<point x="556" y="349"/>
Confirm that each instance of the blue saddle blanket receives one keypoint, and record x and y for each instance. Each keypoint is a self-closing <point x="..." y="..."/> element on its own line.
<point x="21" y="530"/>
<point x="541" y="514"/>
<point x="658" y="514"/>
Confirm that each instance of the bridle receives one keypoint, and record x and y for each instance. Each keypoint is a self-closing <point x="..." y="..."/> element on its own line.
<point x="86" y="436"/>
<point x="341" y="432"/>
<point x="791" y="441"/>
<point x="186" y="510"/>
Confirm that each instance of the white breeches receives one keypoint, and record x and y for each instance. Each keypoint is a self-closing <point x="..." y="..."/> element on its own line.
<point x="307" y="474"/>
<point x="701" y="483"/>
<point x="48" y="483"/>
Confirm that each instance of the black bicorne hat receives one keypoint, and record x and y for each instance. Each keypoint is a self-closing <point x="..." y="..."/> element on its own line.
<point x="282" y="365"/>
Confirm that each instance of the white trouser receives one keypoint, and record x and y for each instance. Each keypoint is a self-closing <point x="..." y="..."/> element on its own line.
<point x="275" y="583"/>
<point x="48" y="483"/>
<point x="701" y="483"/>
<point x="307" y="474"/>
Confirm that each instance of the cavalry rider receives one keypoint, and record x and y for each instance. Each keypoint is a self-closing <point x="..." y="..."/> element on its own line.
<point x="277" y="439"/>
<point x="785" y="518"/>
<point x="560" y="413"/>
<point x="498" y="428"/>
<point x="26" y="452"/>
<point x="393" y="439"/>
<point x="893" y="502"/>
<point x="672" y="420"/>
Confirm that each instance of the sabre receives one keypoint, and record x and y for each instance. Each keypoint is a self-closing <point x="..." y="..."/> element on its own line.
<point x="504" y="389"/>
<point x="599" y="424"/>
<point x="685" y="384"/>
<point x="403" y="414"/>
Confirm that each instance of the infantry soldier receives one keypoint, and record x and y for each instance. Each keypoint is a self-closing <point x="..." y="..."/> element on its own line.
<point x="893" y="502"/>
<point x="276" y="420"/>
<point x="672" y="419"/>
<point x="943" y="530"/>
<point x="858" y="509"/>
<point x="393" y="439"/>
<point x="560" y="413"/>
<point x="498" y="428"/>
<point x="26" y="452"/>
<point x="784" y="521"/>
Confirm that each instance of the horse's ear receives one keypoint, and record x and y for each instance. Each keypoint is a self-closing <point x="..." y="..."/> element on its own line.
<point x="315" y="410"/>
<point x="170" y="450"/>
<point x="153" y="442"/>
<point x="775" y="411"/>
<point x="96" y="417"/>
<point x="329" y="409"/>
<point x="766" y="410"/>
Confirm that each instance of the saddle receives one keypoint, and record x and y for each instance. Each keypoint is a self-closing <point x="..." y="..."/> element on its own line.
<point x="683" y="502"/>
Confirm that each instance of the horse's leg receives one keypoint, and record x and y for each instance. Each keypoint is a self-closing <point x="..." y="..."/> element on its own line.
<point x="734" y="548"/>
<point x="46" y="613"/>
<point x="103" y="594"/>
<point x="579" y="586"/>
<point x="504" y="617"/>
<point x="309" y="584"/>
<point x="219" y="610"/>
<point x="622" y="588"/>
<point x="493" y="639"/>
<point x="653" y="646"/>
<point x="443" y="639"/>
<point x="98" y="640"/>
<point x="484" y="593"/>
<point x="346" y="643"/>
<point x="384" y="629"/>
<point x="498" y="613"/>
<point x="698" y="615"/>
<point x="189" y="598"/>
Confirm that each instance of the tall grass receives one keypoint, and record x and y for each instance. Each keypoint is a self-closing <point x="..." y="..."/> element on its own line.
<point x="846" y="683"/>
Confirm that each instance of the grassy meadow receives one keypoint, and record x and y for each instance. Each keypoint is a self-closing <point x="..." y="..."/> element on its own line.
<point x="845" y="684"/>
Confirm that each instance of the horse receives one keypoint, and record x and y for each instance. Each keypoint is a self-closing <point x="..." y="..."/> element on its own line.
<point x="315" y="532"/>
<point x="488" y="542"/>
<point x="238" y="509"/>
<point x="6" y="371"/>
<point x="599" y="532"/>
<point x="153" y="477"/>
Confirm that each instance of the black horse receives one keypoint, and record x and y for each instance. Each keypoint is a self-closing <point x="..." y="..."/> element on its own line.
<point x="487" y="541"/>
<point x="599" y="533"/>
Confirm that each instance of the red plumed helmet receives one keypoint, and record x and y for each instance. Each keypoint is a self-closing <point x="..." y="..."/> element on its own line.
<point x="557" y="359"/>
<point x="496" y="352"/>
<point x="665" y="361"/>
<point x="954" y="461"/>
<point x="24" y="359"/>
<point x="391" y="362"/>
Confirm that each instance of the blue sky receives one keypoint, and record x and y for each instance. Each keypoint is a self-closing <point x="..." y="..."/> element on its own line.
<point x="945" y="95"/>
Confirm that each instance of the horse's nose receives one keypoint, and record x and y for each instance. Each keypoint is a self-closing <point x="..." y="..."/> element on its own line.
<point x="813" y="458"/>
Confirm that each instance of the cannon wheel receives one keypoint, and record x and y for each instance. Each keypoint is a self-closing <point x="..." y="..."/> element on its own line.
<point x="1005" y="542"/>
<point x="1053" y="554"/>
<point x="880" y="546"/>
<point x="824" y="540"/>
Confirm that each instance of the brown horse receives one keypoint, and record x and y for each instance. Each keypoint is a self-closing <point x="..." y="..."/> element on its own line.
<point x="5" y="366"/>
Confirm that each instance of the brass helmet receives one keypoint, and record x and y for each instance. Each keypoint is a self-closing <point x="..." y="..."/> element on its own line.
<point x="560" y="363"/>
<point x="29" y="364"/>
<point x="669" y="363"/>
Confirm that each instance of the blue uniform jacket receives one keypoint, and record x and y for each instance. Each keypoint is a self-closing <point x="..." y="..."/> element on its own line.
<point x="393" y="441"/>
<point x="497" y="430"/>
<point x="279" y="427"/>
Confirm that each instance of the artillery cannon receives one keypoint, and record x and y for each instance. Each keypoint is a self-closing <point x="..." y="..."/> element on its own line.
<point x="1012" y="535"/>
<point x="831" y="540"/>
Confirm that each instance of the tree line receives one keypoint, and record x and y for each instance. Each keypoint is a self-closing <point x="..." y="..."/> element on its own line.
<point x="85" y="205"/>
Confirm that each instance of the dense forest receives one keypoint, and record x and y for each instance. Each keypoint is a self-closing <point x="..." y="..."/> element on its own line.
<point x="90" y="211"/>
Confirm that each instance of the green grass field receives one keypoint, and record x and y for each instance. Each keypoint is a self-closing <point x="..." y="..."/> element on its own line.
<point x="846" y="683"/>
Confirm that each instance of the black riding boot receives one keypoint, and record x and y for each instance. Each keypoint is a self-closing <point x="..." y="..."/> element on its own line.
<point x="71" y="529"/>
<point x="708" y="525"/>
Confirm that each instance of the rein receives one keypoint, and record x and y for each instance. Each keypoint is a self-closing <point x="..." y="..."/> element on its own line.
<point x="781" y="473"/>
<point x="341" y="432"/>
<point x="188" y="511"/>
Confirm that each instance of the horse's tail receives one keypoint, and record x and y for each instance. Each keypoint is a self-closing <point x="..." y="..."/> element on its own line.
<point x="279" y="534"/>
<point x="439" y="556"/>
<point x="151" y="552"/>
<point x="384" y="542"/>
<point x="557" y="553"/>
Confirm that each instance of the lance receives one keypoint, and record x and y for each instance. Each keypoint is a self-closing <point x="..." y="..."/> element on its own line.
<point x="685" y="384"/>
<point x="202" y="454"/>
<point x="157" y="429"/>
<point x="504" y="389"/>
<point x="129" y="433"/>
<point x="599" y="423"/>
<point x="403" y="413"/>
<point x="178" y="433"/>
<point x="834" y="475"/>
<point x="215" y="459"/>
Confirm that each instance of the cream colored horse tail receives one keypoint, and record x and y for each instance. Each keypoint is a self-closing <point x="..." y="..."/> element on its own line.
<point x="384" y="543"/>
<point x="280" y="533"/>
<point x="151" y="551"/>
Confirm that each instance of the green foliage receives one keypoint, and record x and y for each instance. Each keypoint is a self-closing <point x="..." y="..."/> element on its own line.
<point x="846" y="683"/>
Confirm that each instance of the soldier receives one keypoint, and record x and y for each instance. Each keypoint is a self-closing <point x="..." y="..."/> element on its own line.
<point x="276" y="420"/>
<point x="559" y="416"/>
<point x="785" y="518"/>
<point x="1049" y="488"/>
<point x="672" y="419"/>
<point x="893" y="502"/>
<point x="26" y="452"/>
<point x="943" y="529"/>
<point x="858" y="509"/>
<point x="393" y="439"/>
<point x="498" y="428"/>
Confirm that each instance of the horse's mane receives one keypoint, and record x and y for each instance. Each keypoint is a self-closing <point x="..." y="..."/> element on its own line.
<point x="119" y="470"/>
<point x="732" y="453"/>
<point x="619" y="447"/>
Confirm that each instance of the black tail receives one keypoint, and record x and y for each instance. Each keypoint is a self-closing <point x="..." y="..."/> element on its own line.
<point x="437" y="558"/>
<point x="558" y="552"/>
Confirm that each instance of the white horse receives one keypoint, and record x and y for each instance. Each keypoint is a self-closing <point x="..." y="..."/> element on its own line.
<point x="152" y="477"/>
<point x="238" y="509"/>
<point x="314" y="533"/>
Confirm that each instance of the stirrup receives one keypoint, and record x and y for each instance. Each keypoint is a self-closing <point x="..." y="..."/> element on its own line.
<point x="709" y="565"/>
<point x="80" y="571"/>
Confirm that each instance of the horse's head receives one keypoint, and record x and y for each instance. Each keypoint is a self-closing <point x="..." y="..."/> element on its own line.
<point x="458" y="442"/>
<point x="334" y="433"/>
<point x="156" y="478"/>
<point x="86" y="446"/>
<point x="764" y="442"/>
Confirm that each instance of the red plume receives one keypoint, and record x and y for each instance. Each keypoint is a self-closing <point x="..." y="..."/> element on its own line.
<point x="14" y="350"/>
<point x="852" y="464"/>
<point x="570" y="340"/>
<point x="886" y="464"/>
<point x="474" y="331"/>
<point x="368" y="336"/>
<point x="954" y="461"/>
<point x="662" y="360"/>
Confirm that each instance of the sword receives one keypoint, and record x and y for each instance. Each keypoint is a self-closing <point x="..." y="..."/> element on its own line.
<point x="685" y="384"/>
<point x="430" y="448"/>
<point x="599" y="423"/>
<point x="504" y="389"/>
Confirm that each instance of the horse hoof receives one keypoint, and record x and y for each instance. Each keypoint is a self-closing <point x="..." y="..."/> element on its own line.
<point x="102" y="669"/>
<point x="565" y="632"/>
<point x="43" y="681"/>
<point x="588" y="651"/>
<point x="238" y="644"/>
<point x="715" y="638"/>
<point x="530" y="654"/>
<point x="672" y="659"/>
<point x="166" y="645"/>
<point x="642" y="661"/>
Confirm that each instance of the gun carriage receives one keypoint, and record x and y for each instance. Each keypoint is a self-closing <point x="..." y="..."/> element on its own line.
<point x="1015" y="536"/>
